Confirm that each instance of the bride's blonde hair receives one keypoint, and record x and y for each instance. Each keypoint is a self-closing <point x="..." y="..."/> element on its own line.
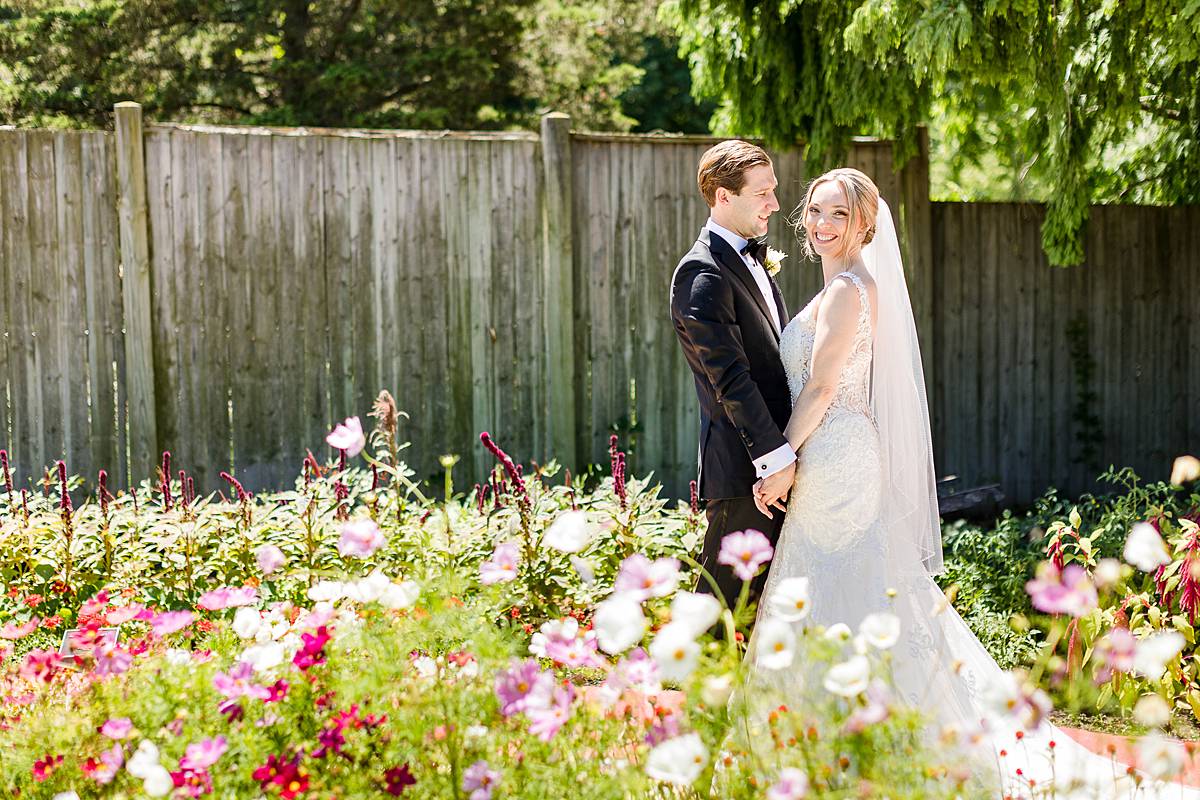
<point x="862" y="198"/>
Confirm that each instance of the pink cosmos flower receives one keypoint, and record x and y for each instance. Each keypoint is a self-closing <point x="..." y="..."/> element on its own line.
<point x="117" y="728"/>
<point x="792" y="785"/>
<point x="13" y="631"/>
<point x="480" y="780"/>
<point x="503" y="566"/>
<point x="576" y="651"/>
<point x="40" y="665"/>
<point x="111" y="660"/>
<point x="360" y="538"/>
<point x="522" y="686"/>
<point x="875" y="711"/>
<point x="642" y="578"/>
<point x="169" y="622"/>
<point x="1067" y="592"/>
<point x="125" y="613"/>
<point x="348" y="436"/>
<point x="269" y="558"/>
<point x="203" y="754"/>
<point x="112" y="759"/>
<point x="636" y="671"/>
<point x="745" y="551"/>
<point x="227" y="597"/>
<point x="545" y="721"/>
<point x="1115" y="652"/>
<point x="237" y="682"/>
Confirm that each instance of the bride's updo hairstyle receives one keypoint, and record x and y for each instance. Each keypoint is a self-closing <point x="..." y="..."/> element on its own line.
<point x="862" y="197"/>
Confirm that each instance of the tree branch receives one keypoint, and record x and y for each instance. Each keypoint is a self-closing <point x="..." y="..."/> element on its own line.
<point x="1173" y="114"/>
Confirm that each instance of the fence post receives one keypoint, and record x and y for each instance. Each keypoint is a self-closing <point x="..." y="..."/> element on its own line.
<point x="135" y="292"/>
<point x="917" y="230"/>
<point x="559" y="273"/>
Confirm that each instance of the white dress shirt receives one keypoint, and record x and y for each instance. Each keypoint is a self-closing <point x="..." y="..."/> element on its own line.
<point x="782" y="456"/>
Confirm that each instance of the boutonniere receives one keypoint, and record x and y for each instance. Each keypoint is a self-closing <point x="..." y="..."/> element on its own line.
<point x="773" y="261"/>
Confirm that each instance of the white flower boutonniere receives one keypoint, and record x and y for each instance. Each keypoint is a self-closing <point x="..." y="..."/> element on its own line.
<point x="773" y="261"/>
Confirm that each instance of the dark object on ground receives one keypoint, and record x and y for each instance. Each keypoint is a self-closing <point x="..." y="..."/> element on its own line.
<point x="976" y="503"/>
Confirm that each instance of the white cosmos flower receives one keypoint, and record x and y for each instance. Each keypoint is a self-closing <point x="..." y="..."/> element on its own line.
<point x="400" y="595"/>
<point x="881" y="630"/>
<point x="774" y="644"/>
<point x="71" y="795"/>
<point x="587" y="573"/>
<point x="145" y="757"/>
<point x="675" y="651"/>
<point x="157" y="781"/>
<point x="178" y="657"/>
<point x="368" y="589"/>
<point x="1145" y="548"/>
<point x="568" y="533"/>
<point x="1151" y="654"/>
<point x="246" y="622"/>
<point x="1162" y="758"/>
<point x="263" y="656"/>
<point x="679" y="761"/>
<point x="1108" y="573"/>
<point x="698" y="612"/>
<point x="327" y="590"/>
<point x="717" y="689"/>
<point x="619" y="624"/>
<point x="1152" y="711"/>
<point x="849" y="678"/>
<point x="838" y="632"/>
<point x="790" y="600"/>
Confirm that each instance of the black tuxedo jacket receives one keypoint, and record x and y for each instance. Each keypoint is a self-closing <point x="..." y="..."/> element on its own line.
<point x="732" y="347"/>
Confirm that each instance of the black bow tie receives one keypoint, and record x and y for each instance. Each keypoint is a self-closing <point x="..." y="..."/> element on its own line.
<point x="756" y="249"/>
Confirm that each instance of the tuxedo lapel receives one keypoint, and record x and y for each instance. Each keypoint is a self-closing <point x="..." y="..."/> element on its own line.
<point x="782" y="306"/>
<point x="726" y="256"/>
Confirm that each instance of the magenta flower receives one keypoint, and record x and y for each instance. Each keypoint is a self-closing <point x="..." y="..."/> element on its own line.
<point x="360" y="538"/>
<point x="636" y="671"/>
<point x="169" y="622"/>
<point x="203" y="754"/>
<point x="312" y="651"/>
<point x="642" y="578"/>
<point x="1115" y="652"/>
<point x="348" y="436"/>
<point x="503" y="566"/>
<point x="227" y="597"/>
<point x="1068" y="592"/>
<point x="117" y="728"/>
<point x="545" y="721"/>
<point x="745" y="551"/>
<point x="522" y="686"/>
<point x="112" y="660"/>
<point x="479" y="780"/>
<point x="269" y="558"/>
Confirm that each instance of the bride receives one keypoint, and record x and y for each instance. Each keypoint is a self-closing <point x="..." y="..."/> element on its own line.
<point x="862" y="522"/>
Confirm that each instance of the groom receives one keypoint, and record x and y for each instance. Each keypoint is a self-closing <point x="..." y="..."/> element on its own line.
<point x="728" y="314"/>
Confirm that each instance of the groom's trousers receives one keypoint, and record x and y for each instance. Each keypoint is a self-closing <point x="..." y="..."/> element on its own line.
<point x="726" y="516"/>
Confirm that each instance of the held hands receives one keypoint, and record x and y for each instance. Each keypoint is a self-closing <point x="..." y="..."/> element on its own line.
<point x="772" y="491"/>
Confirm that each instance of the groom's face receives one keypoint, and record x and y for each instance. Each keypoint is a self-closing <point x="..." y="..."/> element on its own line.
<point x="748" y="211"/>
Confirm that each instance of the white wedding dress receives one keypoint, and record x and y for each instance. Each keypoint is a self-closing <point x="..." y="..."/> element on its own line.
<point x="834" y="534"/>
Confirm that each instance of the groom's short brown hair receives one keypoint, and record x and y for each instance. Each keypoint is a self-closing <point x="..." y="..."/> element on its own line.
<point x="725" y="165"/>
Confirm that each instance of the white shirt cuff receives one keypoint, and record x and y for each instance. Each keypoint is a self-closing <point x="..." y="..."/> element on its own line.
<point x="774" y="461"/>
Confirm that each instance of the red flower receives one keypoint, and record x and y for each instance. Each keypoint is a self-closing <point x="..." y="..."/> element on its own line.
<point x="312" y="652"/>
<point x="44" y="767"/>
<point x="287" y="774"/>
<point x="398" y="779"/>
<point x="50" y="623"/>
<point x="33" y="600"/>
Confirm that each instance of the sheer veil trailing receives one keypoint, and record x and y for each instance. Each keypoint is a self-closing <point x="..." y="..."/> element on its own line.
<point x="909" y="499"/>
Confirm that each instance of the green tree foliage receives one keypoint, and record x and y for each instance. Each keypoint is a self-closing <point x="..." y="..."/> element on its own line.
<point x="418" y="63"/>
<point x="1080" y="101"/>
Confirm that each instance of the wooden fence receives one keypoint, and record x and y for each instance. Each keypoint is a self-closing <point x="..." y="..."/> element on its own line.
<point x="272" y="281"/>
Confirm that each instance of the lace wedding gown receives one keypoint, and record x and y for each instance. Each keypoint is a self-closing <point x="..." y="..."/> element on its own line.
<point x="832" y="535"/>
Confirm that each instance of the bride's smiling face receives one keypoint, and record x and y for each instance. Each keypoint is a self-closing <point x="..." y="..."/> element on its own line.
<point x="827" y="221"/>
